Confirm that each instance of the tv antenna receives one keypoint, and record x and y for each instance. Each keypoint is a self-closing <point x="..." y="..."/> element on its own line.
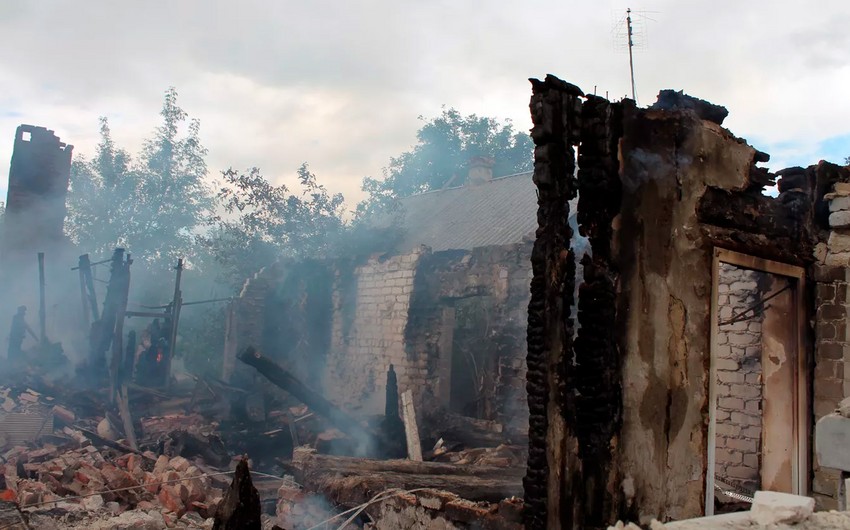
<point x="632" y="30"/>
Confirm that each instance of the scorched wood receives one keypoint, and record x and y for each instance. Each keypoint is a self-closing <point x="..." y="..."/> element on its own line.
<point x="352" y="481"/>
<point x="286" y="381"/>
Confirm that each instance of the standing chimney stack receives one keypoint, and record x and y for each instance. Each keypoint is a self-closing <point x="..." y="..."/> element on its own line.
<point x="480" y="170"/>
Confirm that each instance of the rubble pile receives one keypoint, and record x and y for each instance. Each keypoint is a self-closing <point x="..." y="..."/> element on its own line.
<point x="91" y="478"/>
<point x="69" y="461"/>
<point x="299" y="509"/>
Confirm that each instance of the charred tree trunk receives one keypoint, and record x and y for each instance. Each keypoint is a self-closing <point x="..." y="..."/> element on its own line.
<point x="240" y="509"/>
<point x="555" y="112"/>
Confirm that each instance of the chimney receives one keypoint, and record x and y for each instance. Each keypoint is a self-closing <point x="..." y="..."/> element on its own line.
<point x="480" y="170"/>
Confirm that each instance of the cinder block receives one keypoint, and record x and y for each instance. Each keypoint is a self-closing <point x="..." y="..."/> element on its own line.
<point x="773" y="508"/>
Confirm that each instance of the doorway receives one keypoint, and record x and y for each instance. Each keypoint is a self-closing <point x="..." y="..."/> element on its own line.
<point x="758" y="387"/>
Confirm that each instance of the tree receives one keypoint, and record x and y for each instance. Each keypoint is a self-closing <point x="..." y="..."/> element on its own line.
<point x="152" y="205"/>
<point x="439" y="159"/>
<point x="263" y="222"/>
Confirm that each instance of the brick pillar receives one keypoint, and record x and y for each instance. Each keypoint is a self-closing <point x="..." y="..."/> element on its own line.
<point x="832" y="353"/>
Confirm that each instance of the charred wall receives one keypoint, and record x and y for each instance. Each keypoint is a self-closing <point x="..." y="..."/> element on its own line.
<point x="286" y="310"/>
<point x="38" y="185"/>
<point x="618" y="420"/>
<point x="468" y="315"/>
<point x="555" y="112"/>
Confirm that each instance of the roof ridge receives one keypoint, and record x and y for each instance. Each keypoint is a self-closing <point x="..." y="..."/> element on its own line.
<point x="462" y="186"/>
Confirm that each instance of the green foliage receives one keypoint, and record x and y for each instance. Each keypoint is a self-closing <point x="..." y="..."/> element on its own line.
<point x="439" y="159"/>
<point x="151" y="205"/>
<point x="263" y="222"/>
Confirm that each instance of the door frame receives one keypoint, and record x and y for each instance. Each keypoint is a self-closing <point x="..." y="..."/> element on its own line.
<point x="802" y="420"/>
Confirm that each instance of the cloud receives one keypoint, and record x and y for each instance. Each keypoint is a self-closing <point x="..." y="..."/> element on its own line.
<point x="340" y="84"/>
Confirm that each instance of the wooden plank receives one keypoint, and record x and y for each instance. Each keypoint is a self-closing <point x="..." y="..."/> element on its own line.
<point x="124" y="410"/>
<point x="351" y="481"/>
<point x="778" y="361"/>
<point x="307" y="460"/>
<point x="411" y="429"/>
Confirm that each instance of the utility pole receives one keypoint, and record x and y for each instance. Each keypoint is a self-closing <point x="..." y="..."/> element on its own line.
<point x="631" y="44"/>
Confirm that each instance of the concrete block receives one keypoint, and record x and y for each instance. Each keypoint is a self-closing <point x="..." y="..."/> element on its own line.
<point x="771" y="507"/>
<point x="839" y="203"/>
<point x="832" y="442"/>
<point x="838" y="241"/>
<point x="839" y="219"/>
<point x="844" y="407"/>
<point x="819" y="252"/>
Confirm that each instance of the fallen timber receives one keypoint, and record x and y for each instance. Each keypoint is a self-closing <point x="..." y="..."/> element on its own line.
<point x="352" y="481"/>
<point x="318" y="404"/>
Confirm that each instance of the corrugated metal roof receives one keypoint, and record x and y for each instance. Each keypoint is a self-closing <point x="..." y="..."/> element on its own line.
<point x="502" y="211"/>
<point x="17" y="428"/>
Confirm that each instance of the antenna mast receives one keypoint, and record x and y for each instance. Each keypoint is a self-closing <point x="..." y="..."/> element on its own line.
<point x="631" y="44"/>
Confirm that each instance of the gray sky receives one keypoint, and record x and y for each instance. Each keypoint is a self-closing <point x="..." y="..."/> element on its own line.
<point x="340" y="84"/>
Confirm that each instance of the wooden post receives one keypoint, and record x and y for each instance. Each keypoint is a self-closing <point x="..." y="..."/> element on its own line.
<point x="105" y="330"/>
<point x="127" y="420"/>
<point x="411" y="430"/>
<point x="84" y="296"/>
<point x="122" y="287"/>
<point x="88" y="279"/>
<point x="175" y="318"/>
<point x="42" y="309"/>
<point x="229" y="355"/>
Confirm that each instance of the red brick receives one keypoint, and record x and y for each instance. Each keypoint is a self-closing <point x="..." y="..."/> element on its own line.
<point x="171" y="502"/>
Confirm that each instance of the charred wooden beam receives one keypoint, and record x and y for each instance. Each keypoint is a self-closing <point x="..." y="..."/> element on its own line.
<point x="775" y="227"/>
<point x="318" y="404"/>
<point x="241" y="508"/>
<point x="176" y="304"/>
<point x="352" y="481"/>
<point x="556" y="114"/>
<point x="103" y="329"/>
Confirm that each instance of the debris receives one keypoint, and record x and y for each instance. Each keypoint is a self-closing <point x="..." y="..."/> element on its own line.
<point x="240" y="509"/>
<point x="771" y="507"/>
<point x="352" y="481"/>
<point x="411" y="429"/>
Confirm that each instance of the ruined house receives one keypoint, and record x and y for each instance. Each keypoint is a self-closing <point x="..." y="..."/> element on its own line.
<point x="447" y="306"/>
<point x="681" y="360"/>
<point x="711" y="315"/>
<point x="38" y="185"/>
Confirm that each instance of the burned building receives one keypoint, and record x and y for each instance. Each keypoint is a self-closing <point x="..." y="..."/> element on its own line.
<point x="677" y="326"/>
<point x="38" y="185"/>
<point x="446" y="306"/>
<point x="711" y="314"/>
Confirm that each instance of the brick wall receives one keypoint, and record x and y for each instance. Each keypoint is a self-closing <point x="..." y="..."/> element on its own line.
<point x="393" y="309"/>
<point x="832" y="356"/>
<point x="831" y="379"/>
<point x="371" y="305"/>
<point x="493" y="282"/>
<point x="739" y="387"/>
